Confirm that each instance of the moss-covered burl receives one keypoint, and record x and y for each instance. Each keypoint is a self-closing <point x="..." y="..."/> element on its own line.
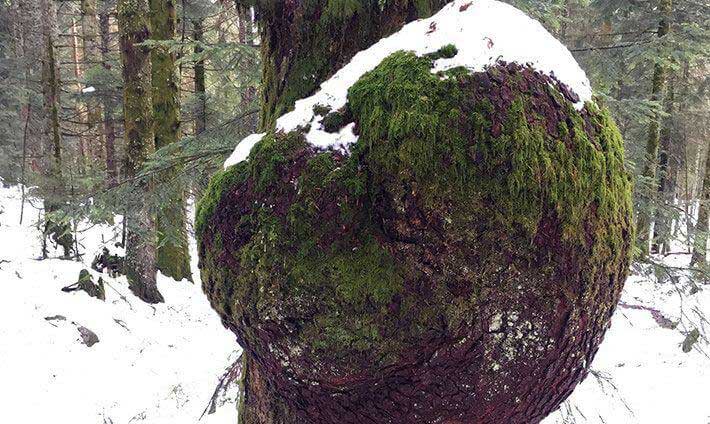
<point x="459" y="265"/>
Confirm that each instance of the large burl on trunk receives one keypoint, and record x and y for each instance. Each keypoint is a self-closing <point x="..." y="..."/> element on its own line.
<point x="458" y="263"/>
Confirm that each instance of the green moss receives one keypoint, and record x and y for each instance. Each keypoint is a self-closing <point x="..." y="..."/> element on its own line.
<point x="323" y="36"/>
<point x="218" y="185"/>
<point x="459" y="187"/>
<point x="321" y="110"/>
<point x="446" y="52"/>
<point x="334" y="121"/>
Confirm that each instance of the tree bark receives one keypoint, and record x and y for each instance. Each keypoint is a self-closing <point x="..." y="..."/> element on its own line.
<point x="650" y="169"/>
<point x="304" y="43"/>
<point x="91" y="52"/>
<point x="667" y="176"/>
<point x="700" y="244"/>
<point x="173" y="256"/>
<point x="302" y="46"/>
<point x="108" y="105"/>
<point x="200" y="88"/>
<point x="139" y="137"/>
<point x="54" y="228"/>
<point x="81" y="109"/>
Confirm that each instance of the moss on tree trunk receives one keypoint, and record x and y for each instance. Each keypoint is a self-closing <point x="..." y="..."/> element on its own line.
<point x="304" y="42"/>
<point x="173" y="255"/>
<point x="140" y="262"/>
<point x="461" y="264"/>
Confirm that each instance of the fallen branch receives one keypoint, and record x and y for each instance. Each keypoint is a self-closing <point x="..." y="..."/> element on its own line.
<point x="229" y="377"/>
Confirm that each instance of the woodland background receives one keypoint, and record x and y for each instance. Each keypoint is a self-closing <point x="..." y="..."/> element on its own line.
<point x="127" y="107"/>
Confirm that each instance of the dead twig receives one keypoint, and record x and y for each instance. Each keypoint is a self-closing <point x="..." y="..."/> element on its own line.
<point x="231" y="375"/>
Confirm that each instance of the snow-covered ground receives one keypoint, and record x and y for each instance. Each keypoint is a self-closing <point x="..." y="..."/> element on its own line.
<point x="151" y="365"/>
<point x="162" y="364"/>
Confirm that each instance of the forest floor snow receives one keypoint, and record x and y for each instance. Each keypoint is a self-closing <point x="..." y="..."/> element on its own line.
<point x="152" y="364"/>
<point x="162" y="364"/>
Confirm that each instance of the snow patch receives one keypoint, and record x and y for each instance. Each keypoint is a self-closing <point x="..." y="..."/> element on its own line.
<point x="241" y="152"/>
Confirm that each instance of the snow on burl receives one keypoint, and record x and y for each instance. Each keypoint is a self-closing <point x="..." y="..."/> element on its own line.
<point x="485" y="32"/>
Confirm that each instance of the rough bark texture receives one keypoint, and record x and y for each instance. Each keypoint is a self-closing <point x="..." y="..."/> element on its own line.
<point x="303" y="42"/>
<point x="650" y="168"/>
<point x="460" y="265"/>
<point x="138" y="129"/>
<point x="173" y="256"/>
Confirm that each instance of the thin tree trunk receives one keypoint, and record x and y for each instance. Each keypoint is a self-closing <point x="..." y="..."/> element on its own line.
<point x="91" y="52"/>
<point x="23" y="181"/>
<point x="138" y="115"/>
<point x="173" y="256"/>
<point x="699" y="256"/>
<point x="85" y="161"/>
<point x="667" y="176"/>
<point x="108" y="106"/>
<point x="200" y="88"/>
<point x="54" y="228"/>
<point x="650" y="169"/>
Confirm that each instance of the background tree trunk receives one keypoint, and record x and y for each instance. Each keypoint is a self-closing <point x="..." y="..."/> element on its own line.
<point x="54" y="227"/>
<point x="701" y="228"/>
<point x="108" y="104"/>
<point x="200" y="88"/>
<point x="91" y="52"/>
<point x="173" y="256"/>
<point x="138" y="115"/>
<point x="650" y="168"/>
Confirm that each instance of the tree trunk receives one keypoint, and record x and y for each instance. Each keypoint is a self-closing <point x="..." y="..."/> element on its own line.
<point x="108" y="105"/>
<point x="701" y="228"/>
<point x="200" y="88"/>
<point x="81" y="110"/>
<point x="54" y="227"/>
<point x="650" y="168"/>
<point x="302" y="46"/>
<point x="91" y="52"/>
<point x="173" y="256"/>
<point x="667" y="176"/>
<point x="138" y="111"/>
<point x="304" y="43"/>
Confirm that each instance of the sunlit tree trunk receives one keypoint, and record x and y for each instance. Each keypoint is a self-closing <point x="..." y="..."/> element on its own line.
<point x="140" y="265"/>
